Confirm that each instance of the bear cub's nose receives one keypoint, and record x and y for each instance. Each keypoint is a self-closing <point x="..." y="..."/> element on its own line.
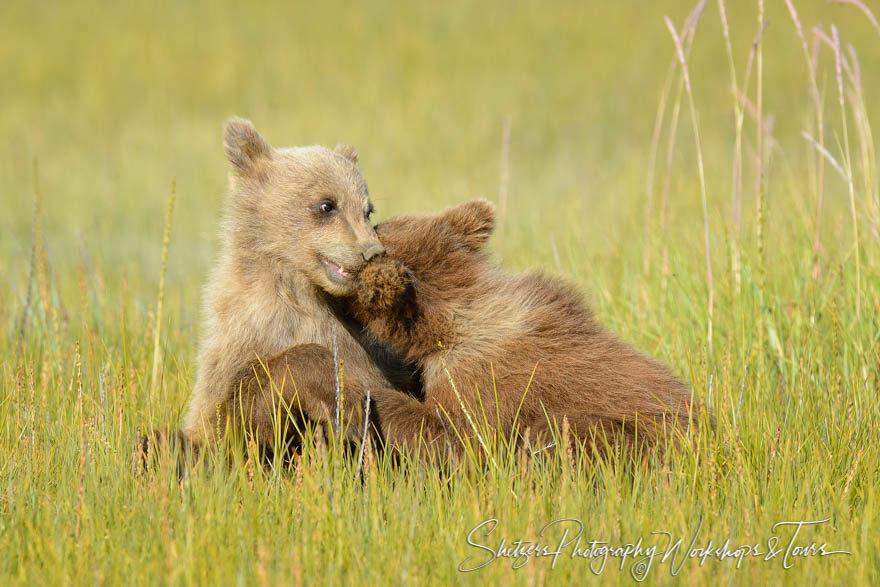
<point x="373" y="251"/>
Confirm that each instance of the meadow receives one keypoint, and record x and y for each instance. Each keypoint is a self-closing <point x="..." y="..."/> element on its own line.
<point x="726" y="221"/>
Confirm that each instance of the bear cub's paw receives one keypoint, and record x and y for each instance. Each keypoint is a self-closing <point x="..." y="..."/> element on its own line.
<point x="381" y="283"/>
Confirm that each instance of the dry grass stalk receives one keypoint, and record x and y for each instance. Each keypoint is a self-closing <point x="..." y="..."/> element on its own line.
<point x="848" y="166"/>
<point x="337" y="421"/>
<point x="33" y="257"/>
<point x="866" y="142"/>
<point x="759" y="179"/>
<point x="160" y="298"/>
<point x="652" y="163"/>
<point x="320" y="443"/>
<point x="698" y="144"/>
<point x="819" y="179"/>
<point x="759" y="144"/>
<point x="861" y="6"/>
<point x="567" y="443"/>
<point x="688" y="32"/>
<point x="364" y="438"/>
<point x="368" y="458"/>
<point x="852" y="473"/>
<point x="467" y="414"/>
<point x="825" y="154"/>
<point x="82" y="439"/>
<point x="736" y="188"/>
<point x="737" y="180"/>
<point x="43" y="269"/>
<point x="773" y="450"/>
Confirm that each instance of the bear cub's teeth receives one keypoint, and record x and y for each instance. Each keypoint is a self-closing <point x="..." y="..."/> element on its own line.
<point x="337" y="270"/>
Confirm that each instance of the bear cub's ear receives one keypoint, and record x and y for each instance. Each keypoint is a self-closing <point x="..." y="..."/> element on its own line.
<point x="472" y="222"/>
<point x="347" y="151"/>
<point x="245" y="148"/>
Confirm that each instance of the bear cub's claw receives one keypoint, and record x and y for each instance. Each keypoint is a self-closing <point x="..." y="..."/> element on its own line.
<point x="382" y="282"/>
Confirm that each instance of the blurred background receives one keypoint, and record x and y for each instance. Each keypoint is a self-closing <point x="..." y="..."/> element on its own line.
<point x="103" y="104"/>
<point x="551" y="109"/>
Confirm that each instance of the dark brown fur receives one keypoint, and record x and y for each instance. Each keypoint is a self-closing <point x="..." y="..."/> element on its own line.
<point x="438" y="301"/>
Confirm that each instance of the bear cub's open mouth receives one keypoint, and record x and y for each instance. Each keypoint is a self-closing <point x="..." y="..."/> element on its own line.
<point x="335" y="271"/>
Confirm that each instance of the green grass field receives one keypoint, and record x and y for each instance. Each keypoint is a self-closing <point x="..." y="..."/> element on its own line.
<point x="102" y="107"/>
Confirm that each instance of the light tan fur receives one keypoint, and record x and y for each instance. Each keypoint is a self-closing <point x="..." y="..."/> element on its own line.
<point x="271" y="288"/>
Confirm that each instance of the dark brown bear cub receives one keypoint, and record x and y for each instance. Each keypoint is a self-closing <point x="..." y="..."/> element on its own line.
<point x="478" y="333"/>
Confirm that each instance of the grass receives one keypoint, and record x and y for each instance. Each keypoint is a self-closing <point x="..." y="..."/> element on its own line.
<point x="549" y="109"/>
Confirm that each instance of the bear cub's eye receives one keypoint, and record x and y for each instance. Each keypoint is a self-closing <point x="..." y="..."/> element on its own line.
<point x="327" y="207"/>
